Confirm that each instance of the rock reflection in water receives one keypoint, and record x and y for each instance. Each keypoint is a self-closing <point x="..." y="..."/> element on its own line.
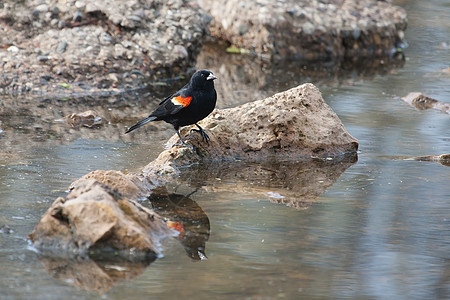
<point x="194" y="230"/>
<point x="92" y="275"/>
<point x="293" y="183"/>
<point x="244" y="78"/>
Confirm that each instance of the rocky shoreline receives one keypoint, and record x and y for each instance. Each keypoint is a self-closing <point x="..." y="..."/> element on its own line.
<point x="68" y="46"/>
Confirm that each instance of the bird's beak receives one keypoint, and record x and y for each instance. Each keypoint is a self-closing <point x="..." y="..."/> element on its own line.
<point x="211" y="77"/>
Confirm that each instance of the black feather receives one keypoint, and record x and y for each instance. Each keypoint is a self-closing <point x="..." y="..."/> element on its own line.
<point x="141" y="123"/>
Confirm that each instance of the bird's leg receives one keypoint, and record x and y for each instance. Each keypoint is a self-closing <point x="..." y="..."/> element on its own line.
<point x="182" y="142"/>
<point x="205" y="137"/>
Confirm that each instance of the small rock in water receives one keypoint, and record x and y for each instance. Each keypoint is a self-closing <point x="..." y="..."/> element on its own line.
<point x="275" y="195"/>
<point x="88" y="118"/>
<point x="5" y="228"/>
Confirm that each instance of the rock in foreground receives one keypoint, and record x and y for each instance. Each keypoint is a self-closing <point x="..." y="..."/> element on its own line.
<point x="94" y="218"/>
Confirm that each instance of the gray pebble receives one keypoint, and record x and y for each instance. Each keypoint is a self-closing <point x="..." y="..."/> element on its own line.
<point x="42" y="58"/>
<point x="134" y="18"/>
<point x="78" y="16"/>
<point x="35" y="14"/>
<point x="105" y="39"/>
<point x="55" y="11"/>
<point x="61" y="48"/>
<point x="61" y="24"/>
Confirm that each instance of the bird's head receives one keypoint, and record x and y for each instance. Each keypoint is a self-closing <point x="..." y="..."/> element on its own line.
<point x="203" y="79"/>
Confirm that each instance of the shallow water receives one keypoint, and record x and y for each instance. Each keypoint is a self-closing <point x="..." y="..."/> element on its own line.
<point x="379" y="229"/>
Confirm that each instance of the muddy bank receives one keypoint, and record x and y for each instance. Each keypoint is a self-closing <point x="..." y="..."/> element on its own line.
<point x="308" y="30"/>
<point x="57" y="45"/>
<point x="66" y="46"/>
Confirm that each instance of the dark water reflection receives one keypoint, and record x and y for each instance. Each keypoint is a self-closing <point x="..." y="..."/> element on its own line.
<point x="187" y="217"/>
<point x="378" y="230"/>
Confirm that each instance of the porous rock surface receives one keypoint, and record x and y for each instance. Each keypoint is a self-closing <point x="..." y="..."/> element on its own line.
<point x="308" y="29"/>
<point x="94" y="217"/>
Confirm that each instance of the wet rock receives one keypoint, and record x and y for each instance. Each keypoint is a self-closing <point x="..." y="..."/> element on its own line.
<point x="95" y="218"/>
<point x="129" y="186"/>
<point x="422" y="102"/>
<point x="295" y="123"/>
<point x="88" y="118"/>
<point x="443" y="159"/>
<point x="308" y="30"/>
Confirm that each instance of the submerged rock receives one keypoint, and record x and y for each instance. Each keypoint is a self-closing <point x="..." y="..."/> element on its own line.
<point x="87" y="118"/>
<point x="422" y="102"/>
<point x="294" y="183"/>
<point x="443" y="159"/>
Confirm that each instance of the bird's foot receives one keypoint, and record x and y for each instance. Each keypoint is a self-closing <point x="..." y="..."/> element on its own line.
<point x="205" y="136"/>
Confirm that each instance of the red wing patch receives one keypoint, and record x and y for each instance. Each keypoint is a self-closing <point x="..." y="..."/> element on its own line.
<point x="180" y="100"/>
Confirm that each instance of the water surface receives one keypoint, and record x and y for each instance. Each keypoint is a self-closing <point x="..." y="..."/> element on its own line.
<point x="380" y="231"/>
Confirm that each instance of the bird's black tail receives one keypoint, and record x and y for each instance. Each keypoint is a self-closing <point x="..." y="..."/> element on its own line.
<point x="141" y="123"/>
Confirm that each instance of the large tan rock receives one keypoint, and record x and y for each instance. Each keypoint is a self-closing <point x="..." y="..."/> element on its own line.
<point x="93" y="218"/>
<point x="293" y="124"/>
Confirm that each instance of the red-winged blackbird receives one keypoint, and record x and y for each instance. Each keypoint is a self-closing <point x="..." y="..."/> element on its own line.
<point x="192" y="103"/>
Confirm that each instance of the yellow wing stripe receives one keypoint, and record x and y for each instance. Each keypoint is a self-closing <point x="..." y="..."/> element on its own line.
<point x="180" y="100"/>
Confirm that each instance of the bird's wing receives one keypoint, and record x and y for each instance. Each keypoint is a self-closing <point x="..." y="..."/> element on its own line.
<point x="175" y="94"/>
<point x="173" y="104"/>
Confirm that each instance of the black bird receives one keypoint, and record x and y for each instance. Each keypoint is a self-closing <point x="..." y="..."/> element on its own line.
<point x="192" y="103"/>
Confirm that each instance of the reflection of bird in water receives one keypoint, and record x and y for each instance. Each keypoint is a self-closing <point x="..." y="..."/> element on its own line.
<point x="185" y="216"/>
